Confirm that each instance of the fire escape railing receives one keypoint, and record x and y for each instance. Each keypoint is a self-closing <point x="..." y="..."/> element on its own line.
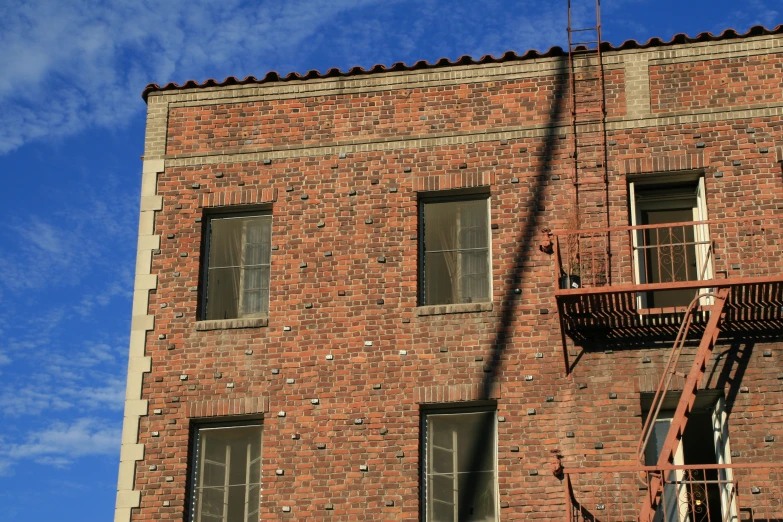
<point x="695" y="493"/>
<point x="668" y="256"/>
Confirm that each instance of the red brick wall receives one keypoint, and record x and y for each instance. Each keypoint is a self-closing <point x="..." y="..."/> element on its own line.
<point x="708" y="84"/>
<point x="446" y="354"/>
<point x="414" y="112"/>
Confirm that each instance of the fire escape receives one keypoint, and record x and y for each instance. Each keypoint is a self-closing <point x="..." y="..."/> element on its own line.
<point x="603" y="275"/>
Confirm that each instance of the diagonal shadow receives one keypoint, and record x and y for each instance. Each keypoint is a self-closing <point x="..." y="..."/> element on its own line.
<point x="511" y="299"/>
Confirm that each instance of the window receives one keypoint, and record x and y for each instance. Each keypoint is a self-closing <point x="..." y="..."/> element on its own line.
<point x="455" y="253"/>
<point x="459" y="471"/>
<point x="669" y="252"/>
<point x="236" y="275"/>
<point x="226" y="474"/>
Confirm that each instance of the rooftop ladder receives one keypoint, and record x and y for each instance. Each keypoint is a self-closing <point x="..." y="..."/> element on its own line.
<point x="590" y="208"/>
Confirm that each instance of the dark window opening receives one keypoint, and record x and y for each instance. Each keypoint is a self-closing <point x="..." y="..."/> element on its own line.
<point x="696" y="495"/>
<point x="459" y="471"/>
<point x="455" y="251"/>
<point x="236" y="273"/>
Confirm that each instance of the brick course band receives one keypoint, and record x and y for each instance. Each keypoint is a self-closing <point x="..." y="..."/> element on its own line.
<point x="667" y="163"/>
<point x="237" y="196"/>
<point x="226" y="407"/>
<point x="454" y="393"/>
<point x="453" y="181"/>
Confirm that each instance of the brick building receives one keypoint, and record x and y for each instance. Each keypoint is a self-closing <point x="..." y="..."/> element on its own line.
<point x="416" y="292"/>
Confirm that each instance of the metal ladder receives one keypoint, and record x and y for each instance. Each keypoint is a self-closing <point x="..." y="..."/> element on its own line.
<point x="589" y="154"/>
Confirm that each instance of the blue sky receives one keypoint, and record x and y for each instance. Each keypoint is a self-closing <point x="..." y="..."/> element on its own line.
<point x="71" y="133"/>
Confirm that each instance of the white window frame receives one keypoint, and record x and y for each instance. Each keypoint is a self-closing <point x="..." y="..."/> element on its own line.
<point x="720" y="430"/>
<point x="427" y="449"/>
<point x="701" y="233"/>
<point x="198" y="462"/>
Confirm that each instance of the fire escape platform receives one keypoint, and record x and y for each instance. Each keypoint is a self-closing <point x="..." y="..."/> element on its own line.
<point x="754" y="304"/>
<point x="600" y="298"/>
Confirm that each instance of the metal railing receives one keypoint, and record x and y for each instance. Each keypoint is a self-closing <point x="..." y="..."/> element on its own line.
<point x="697" y="493"/>
<point x="666" y="254"/>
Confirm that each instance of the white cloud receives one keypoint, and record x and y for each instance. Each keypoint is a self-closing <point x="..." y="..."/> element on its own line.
<point x="753" y="12"/>
<point x="82" y="64"/>
<point x="61" y="443"/>
<point x="40" y="252"/>
<point x="31" y="401"/>
<point x="63" y="248"/>
<point x="118" y="288"/>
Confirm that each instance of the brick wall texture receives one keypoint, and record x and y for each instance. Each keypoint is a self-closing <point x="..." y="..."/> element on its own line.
<point x="362" y="152"/>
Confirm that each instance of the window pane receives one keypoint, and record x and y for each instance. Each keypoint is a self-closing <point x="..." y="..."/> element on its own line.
<point x="210" y="502"/>
<point x="442" y="512"/>
<point x="256" y="278"/>
<point x="472" y="219"/>
<point x="440" y="270"/>
<point x="258" y="234"/>
<point x="474" y="276"/>
<point x="442" y="499"/>
<point x="477" y="496"/>
<point x="237" y="282"/>
<point x="228" y="480"/>
<point x="223" y="293"/>
<point x="442" y="460"/>
<point x="225" y="242"/>
<point x="440" y="226"/>
<point x="456" y="252"/>
<point x="461" y="454"/>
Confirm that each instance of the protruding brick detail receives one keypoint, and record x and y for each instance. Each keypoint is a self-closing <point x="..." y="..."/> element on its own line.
<point x="458" y="180"/>
<point x="454" y="393"/>
<point x="225" y="407"/>
<point x="238" y="196"/>
<point x="663" y="163"/>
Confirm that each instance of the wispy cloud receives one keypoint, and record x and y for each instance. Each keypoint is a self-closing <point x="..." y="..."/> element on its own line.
<point x="61" y="443"/>
<point x="93" y="76"/>
<point x="62" y="376"/>
<point x="5" y="467"/>
<point x="753" y="12"/>
<point x="62" y="245"/>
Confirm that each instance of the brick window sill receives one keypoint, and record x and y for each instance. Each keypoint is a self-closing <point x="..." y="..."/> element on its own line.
<point x="230" y="324"/>
<point x="459" y="308"/>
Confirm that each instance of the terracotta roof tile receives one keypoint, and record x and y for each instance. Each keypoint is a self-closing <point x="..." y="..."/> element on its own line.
<point x="509" y="56"/>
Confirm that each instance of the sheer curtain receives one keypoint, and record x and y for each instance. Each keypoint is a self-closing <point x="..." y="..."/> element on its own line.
<point x="456" y="259"/>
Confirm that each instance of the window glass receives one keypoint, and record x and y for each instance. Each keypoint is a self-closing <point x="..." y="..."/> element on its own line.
<point x="456" y="266"/>
<point x="460" y="467"/>
<point x="227" y="474"/>
<point x="237" y="279"/>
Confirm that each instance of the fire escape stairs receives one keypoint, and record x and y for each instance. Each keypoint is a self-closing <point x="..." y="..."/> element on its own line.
<point x="693" y="382"/>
